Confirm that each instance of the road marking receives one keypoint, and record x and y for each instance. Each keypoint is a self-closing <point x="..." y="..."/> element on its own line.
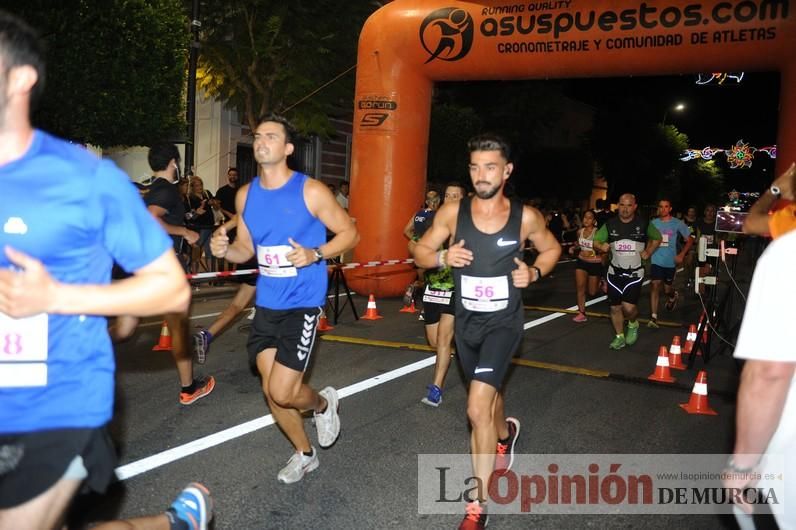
<point x="172" y="455"/>
<point x="166" y="457"/>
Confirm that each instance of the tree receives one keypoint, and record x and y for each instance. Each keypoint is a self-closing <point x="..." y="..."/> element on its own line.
<point x="261" y="56"/>
<point x="634" y="152"/>
<point x="115" y="69"/>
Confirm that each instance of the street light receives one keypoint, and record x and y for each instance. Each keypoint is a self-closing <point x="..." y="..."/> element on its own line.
<point x="678" y="107"/>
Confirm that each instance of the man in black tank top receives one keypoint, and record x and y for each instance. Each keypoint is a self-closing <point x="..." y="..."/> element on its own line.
<point x="489" y="275"/>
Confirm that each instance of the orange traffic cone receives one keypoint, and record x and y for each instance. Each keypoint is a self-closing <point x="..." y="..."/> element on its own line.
<point x="372" y="313"/>
<point x="690" y="338"/>
<point x="675" y="358"/>
<point x="323" y="322"/>
<point x="698" y="403"/>
<point x="661" y="373"/>
<point x="409" y="308"/>
<point x="164" y="342"/>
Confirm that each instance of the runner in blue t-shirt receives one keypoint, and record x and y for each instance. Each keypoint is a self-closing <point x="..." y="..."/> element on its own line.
<point x="66" y="216"/>
<point x="665" y="259"/>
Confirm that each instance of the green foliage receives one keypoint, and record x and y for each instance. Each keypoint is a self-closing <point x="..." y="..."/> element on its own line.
<point x="116" y="70"/>
<point x="635" y="153"/>
<point x="262" y="56"/>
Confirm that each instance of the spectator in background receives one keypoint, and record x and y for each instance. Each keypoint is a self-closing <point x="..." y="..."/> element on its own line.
<point x="342" y="195"/>
<point x="763" y="218"/>
<point x="226" y="194"/>
<point x="556" y="225"/>
<point x="767" y="394"/>
<point x="766" y="412"/>
<point x="68" y="216"/>
<point x="602" y="212"/>
<point x="706" y="227"/>
<point x="199" y="217"/>
<point x="166" y="206"/>
<point x="690" y="221"/>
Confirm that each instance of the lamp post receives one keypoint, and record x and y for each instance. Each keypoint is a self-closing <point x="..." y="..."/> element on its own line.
<point x="678" y="107"/>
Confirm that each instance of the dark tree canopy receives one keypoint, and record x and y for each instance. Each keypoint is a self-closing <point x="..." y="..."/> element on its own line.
<point x="116" y="69"/>
<point x="262" y="56"/>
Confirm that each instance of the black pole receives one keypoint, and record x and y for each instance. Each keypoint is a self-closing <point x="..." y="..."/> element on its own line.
<point x="190" y="113"/>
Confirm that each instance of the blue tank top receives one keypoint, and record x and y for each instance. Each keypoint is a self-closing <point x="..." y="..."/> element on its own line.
<point x="273" y="216"/>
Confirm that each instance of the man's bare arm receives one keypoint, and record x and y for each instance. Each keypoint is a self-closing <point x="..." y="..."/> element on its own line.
<point x="535" y="229"/>
<point x="159" y="287"/>
<point x="426" y="252"/>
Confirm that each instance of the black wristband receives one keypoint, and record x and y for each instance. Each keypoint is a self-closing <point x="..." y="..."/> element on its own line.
<point x="538" y="273"/>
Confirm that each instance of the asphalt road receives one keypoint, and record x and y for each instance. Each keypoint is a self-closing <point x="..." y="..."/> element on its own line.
<point x="571" y="393"/>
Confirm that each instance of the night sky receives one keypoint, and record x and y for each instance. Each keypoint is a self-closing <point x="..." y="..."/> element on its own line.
<point x="715" y="115"/>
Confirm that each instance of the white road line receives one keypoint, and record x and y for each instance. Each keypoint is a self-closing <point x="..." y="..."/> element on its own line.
<point x="166" y="457"/>
<point x="553" y="316"/>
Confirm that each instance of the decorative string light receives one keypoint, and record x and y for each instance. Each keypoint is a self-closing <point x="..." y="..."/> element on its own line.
<point x="738" y="156"/>
<point x="718" y="78"/>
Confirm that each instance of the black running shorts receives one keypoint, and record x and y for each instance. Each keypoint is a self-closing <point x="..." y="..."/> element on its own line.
<point x="623" y="288"/>
<point x="487" y="358"/>
<point x="591" y="268"/>
<point x="663" y="273"/>
<point x="31" y="463"/>
<point x="290" y="331"/>
<point x="436" y="304"/>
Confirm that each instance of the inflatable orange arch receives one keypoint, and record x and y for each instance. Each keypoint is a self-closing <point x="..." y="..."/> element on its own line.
<point x="409" y="44"/>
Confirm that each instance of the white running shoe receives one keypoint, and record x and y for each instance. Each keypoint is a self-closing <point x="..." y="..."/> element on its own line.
<point x="297" y="466"/>
<point x="328" y="423"/>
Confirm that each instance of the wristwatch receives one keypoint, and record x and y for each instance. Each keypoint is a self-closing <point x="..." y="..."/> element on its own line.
<point x="775" y="191"/>
<point x="318" y="254"/>
<point x="731" y="466"/>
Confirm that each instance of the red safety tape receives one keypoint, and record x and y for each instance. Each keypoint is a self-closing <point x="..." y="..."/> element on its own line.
<point x="246" y="272"/>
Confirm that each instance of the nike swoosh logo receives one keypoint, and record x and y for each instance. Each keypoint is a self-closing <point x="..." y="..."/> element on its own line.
<point x="483" y="370"/>
<point x="502" y="243"/>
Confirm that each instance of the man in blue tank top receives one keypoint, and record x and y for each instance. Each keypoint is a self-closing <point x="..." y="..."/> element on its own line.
<point x="66" y="216"/>
<point x="489" y="275"/>
<point x="284" y="219"/>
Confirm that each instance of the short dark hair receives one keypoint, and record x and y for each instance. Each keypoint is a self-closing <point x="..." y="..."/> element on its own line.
<point x="456" y="184"/>
<point x="490" y="142"/>
<point x="160" y="154"/>
<point x="20" y="45"/>
<point x="290" y="130"/>
<point x="601" y="203"/>
<point x="232" y="169"/>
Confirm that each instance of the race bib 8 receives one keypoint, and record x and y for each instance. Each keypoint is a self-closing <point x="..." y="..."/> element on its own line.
<point x="23" y="351"/>
<point x="664" y="240"/>
<point x="485" y="295"/>
<point x="273" y="262"/>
